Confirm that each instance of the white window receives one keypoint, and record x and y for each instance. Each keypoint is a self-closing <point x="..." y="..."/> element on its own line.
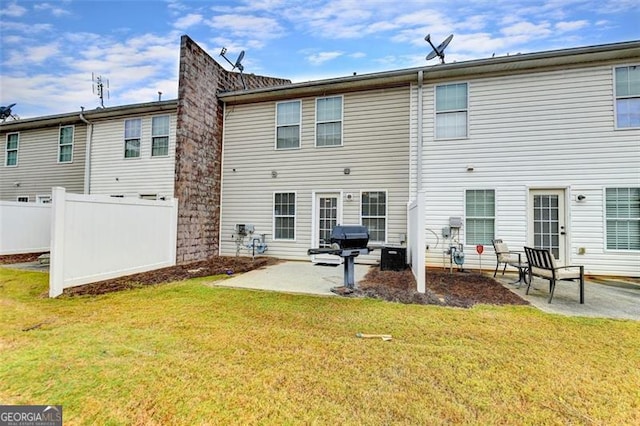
<point x="373" y="208"/>
<point x="22" y="198"/>
<point x="451" y="111"/>
<point x="11" y="149"/>
<point x="628" y="97"/>
<point x="65" y="145"/>
<point x="160" y="136"/>
<point x="480" y="213"/>
<point x="43" y="199"/>
<point x="623" y="218"/>
<point x="284" y="215"/>
<point x="132" y="132"/>
<point x="329" y="121"/>
<point x="288" y="125"/>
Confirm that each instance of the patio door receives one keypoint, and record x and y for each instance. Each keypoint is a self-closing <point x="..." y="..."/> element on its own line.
<point x="547" y="221"/>
<point x="327" y="215"/>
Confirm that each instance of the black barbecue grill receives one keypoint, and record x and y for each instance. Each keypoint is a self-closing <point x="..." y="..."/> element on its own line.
<point x="348" y="242"/>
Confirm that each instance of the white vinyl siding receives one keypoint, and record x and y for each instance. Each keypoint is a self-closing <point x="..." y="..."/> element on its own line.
<point x="284" y="216"/>
<point x="160" y="136"/>
<point x="627" y="89"/>
<point x="480" y="214"/>
<point x="451" y="111"/>
<point x="288" y="116"/>
<point x="65" y="144"/>
<point x="112" y="174"/>
<point x="38" y="169"/>
<point x="376" y="150"/>
<point x="329" y="121"/>
<point x="374" y="214"/>
<point x="538" y="130"/>
<point x="132" y="134"/>
<point x="623" y="218"/>
<point x="11" y="149"/>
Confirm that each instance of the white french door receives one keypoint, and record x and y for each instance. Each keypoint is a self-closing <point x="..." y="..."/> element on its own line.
<point x="547" y="221"/>
<point x="327" y="215"/>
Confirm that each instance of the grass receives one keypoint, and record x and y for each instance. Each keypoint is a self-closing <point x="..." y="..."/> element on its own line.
<point x="189" y="353"/>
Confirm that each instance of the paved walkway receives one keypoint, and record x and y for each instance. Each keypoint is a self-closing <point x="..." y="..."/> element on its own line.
<point x="606" y="299"/>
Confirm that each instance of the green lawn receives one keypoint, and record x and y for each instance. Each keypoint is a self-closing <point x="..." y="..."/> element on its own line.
<point x="188" y="353"/>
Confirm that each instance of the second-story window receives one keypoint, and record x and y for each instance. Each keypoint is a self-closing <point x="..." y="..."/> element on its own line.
<point x="65" y="145"/>
<point x="451" y="111"/>
<point x="160" y="136"/>
<point x="288" y="125"/>
<point x="132" y="132"/>
<point x="329" y="121"/>
<point x="11" y="150"/>
<point x="628" y="97"/>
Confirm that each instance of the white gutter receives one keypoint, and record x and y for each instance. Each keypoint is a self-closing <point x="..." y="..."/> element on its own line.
<point x="87" y="156"/>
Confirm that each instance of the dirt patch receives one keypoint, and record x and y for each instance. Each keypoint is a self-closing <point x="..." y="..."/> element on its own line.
<point x="460" y="289"/>
<point x="8" y="259"/>
<point x="215" y="266"/>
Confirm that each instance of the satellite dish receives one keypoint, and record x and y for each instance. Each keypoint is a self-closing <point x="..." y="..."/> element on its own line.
<point x="237" y="64"/>
<point x="5" y="112"/>
<point x="438" y="51"/>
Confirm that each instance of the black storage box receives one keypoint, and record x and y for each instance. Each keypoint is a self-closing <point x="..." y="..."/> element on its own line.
<point x="393" y="258"/>
<point x="350" y="236"/>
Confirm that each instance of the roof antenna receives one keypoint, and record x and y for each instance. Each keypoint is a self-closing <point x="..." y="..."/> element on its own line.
<point x="100" y="86"/>
<point x="237" y="64"/>
<point x="5" y="112"/>
<point x="438" y="51"/>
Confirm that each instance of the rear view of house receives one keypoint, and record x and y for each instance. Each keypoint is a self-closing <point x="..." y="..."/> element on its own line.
<point x="301" y="159"/>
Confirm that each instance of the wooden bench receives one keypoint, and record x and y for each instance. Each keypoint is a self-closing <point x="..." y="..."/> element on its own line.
<point x="542" y="264"/>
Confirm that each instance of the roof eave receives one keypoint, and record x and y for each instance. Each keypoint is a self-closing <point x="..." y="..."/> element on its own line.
<point x="513" y="64"/>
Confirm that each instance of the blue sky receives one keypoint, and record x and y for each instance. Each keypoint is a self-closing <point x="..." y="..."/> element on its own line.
<point x="49" y="49"/>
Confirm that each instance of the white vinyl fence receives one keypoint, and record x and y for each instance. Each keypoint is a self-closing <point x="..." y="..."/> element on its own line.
<point x="97" y="237"/>
<point x="416" y="240"/>
<point x="24" y="227"/>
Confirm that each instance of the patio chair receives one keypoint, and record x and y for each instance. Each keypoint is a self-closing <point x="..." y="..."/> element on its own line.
<point x="507" y="257"/>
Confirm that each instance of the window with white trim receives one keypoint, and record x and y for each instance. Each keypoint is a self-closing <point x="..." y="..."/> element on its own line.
<point x="65" y="145"/>
<point x="373" y="214"/>
<point x="480" y="214"/>
<point x="451" y="111"/>
<point x="329" y="121"/>
<point x="22" y="198"/>
<point x="288" y="125"/>
<point x="160" y="136"/>
<point x="623" y="218"/>
<point x="11" y="149"/>
<point x="627" y="90"/>
<point x="284" y="215"/>
<point x="43" y="199"/>
<point x="132" y="134"/>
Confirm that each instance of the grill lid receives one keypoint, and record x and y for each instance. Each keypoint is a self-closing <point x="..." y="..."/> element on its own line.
<point x="350" y="236"/>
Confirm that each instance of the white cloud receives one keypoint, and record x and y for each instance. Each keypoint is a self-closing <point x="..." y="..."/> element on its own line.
<point x="188" y="21"/>
<point x="321" y="57"/>
<point x="571" y="26"/>
<point x="25" y="28"/>
<point x="34" y="54"/>
<point x="12" y="10"/>
<point x="49" y="8"/>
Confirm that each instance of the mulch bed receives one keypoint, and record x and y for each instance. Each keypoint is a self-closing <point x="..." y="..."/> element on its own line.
<point x="215" y="266"/>
<point x="8" y="259"/>
<point x="459" y="289"/>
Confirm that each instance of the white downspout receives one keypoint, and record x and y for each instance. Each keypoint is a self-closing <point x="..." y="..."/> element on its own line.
<point x="419" y="150"/>
<point x="87" y="158"/>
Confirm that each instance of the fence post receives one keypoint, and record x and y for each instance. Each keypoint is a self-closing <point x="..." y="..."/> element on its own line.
<point x="56" y="261"/>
